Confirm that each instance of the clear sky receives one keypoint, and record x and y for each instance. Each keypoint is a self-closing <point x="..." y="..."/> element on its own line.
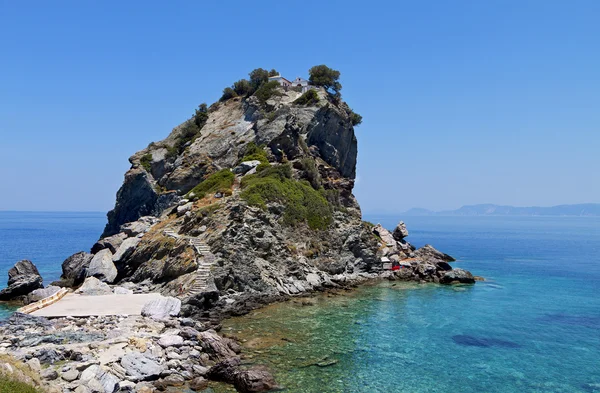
<point x="463" y="102"/>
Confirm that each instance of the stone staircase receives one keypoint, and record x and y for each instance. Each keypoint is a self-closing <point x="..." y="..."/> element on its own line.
<point x="205" y="263"/>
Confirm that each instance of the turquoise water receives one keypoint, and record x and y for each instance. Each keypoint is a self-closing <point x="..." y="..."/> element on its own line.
<point x="46" y="238"/>
<point x="534" y="326"/>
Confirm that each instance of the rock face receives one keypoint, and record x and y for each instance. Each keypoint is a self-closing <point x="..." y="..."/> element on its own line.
<point x="23" y="278"/>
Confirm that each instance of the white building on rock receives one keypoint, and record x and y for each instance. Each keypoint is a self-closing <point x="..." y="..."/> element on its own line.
<point x="301" y="83"/>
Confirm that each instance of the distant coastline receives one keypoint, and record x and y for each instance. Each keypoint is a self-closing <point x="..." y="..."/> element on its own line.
<point x="576" y="210"/>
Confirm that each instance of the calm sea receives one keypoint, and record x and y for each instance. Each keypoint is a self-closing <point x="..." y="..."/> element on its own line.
<point x="533" y="326"/>
<point x="45" y="238"/>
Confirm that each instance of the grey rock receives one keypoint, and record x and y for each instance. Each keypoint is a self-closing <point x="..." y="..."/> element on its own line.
<point x="140" y="366"/>
<point x="74" y="269"/>
<point x="245" y="167"/>
<point x="94" y="287"/>
<point x="34" y="365"/>
<point x="429" y="254"/>
<point x="257" y="379"/>
<point x="82" y="389"/>
<point x="457" y="276"/>
<point x="89" y="373"/>
<point x="385" y="235"/>
<point x="95" y="386"/>
<point x="70" y="375"/>
<point x="170" y="341"/>
<point x="111" y="242"/>
<point x="140" y="226"/>
<point x="108" y="381"/>
<point x="102" y="267"/>
<point x="126" y="249"/>
<point x="23" y="278"/>
<point x="122" y="291"/>
<point x="49" y="374"/>
<point x="400" y="232"/>
<point x="42" y="293"/>
<point x="162" y="308"/>
<point x="181" y="210"/>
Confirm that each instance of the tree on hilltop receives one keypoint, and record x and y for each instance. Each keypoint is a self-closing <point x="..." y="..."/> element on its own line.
<point x="258" y="77"/>
<point x="326" y="77"/>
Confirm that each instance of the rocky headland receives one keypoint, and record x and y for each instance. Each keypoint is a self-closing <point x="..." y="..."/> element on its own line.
<point x="249" y="202"/>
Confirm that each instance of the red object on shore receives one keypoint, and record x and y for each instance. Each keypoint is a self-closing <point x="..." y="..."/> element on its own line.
<point x="397" y="267"/>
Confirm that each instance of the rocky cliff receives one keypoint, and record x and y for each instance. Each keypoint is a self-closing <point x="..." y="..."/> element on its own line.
<point x="248" y="202"/>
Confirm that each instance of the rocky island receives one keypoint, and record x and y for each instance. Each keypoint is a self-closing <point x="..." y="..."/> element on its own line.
<point x="248" y="202"/>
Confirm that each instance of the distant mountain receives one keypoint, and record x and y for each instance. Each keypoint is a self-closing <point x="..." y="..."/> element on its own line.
<point x="583" y="209"/>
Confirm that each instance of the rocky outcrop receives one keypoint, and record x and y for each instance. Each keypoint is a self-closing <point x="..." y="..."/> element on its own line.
<point x="400" y="232"/>
<point x="102" y="266"/>
<point x="23" y="278"/>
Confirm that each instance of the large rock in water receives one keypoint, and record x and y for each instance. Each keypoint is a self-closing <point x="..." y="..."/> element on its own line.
<point x="102" y="267"/>
<point x="162" y="308"/>
<point x="23" y="278"/>
<point x="457" y="276"/>
<point x="430" y="254"/>
<point x="74" y="269"/>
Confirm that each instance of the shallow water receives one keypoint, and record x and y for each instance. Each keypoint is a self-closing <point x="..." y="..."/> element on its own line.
<point x="534" y="326"/>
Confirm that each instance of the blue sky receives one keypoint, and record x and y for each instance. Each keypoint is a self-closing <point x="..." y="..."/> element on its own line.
<point x="463" y="101"/>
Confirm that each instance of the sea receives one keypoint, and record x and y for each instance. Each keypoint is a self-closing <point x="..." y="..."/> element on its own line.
<point x="533" y="325"/>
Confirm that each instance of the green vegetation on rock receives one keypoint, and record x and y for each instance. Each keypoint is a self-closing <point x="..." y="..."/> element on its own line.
<point x="309" y="98"/>
<point x="302" y="203"/>
<point x="189" y="131"/>
<point x="267" y="90"/>
<point x="220" y="181"/>
<point x="8" y="385"/>
<point x="146" y="162"/>
<point x="255" y="152"/>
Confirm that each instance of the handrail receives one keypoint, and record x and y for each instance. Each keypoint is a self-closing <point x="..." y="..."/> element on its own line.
<point x="44" y="302"/>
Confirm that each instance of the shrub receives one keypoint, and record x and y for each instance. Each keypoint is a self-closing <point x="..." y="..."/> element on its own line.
<point x="228" y="93"/>
<point x="302" y="204"/>
<point x="146" y="162"/>
<point x="326" y="77"/>
<point x="355" y="118"/>
<point x="309" y="98"/>
<point x="242" y="87"/>
<point x="273" y="72"/>
<point x="267" y="90"/>
<point x="220" y="181"/>
<point x="255" y="152"/>
<point x="310" y="172"/>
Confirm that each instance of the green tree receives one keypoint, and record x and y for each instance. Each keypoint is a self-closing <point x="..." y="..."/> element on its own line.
<point x="355" y="118"/>
<point x="228" y="93"/>
<point x="201" y="115"/>
<point x="258" y="77"/>
<point x="273" y="72"/>
<point x="267" y="90"/>
<point x="242" y="87"/>
<point x="326" y="77"/>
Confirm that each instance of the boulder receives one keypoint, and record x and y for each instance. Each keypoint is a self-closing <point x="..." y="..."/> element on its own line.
<point x="102" y="267"/>
<point x="400" y="232"/>
<point x="385" y="235"/>
<point x="70" y="375"/>
<point x="429" y="254"/>
<point x="181" y="210"/>
<point x="94" y="287"/>
<point x="217" y="347"/>
<point x="170" y="340"/>
<point x="162" y="308"/>
<point x="257" y="379"/>
<point x="111" y="242"/>
<point x="245" y="167"/>
<point x="42" y="293"/>
<point x="23" y="278"/>
<point x="139" y="227"/>
<point x="457" y="276"/>
<point x="141" y="367"/>
<point x="225" y="370"/>
<point x="74" y="269"/>
<point x="126" y="249"/>
<point x="122" y="291"/>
